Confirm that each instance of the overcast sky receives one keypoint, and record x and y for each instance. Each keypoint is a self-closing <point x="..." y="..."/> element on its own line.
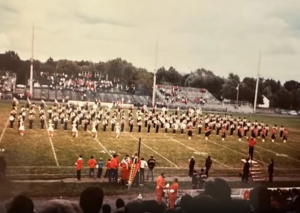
<point x="220" y="35"/>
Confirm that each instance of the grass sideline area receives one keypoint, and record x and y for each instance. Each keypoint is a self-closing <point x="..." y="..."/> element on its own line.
<point x="33" y="155"/>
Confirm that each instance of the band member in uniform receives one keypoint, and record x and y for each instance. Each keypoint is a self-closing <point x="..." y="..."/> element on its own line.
<point x="240" y="132"/>
<point x="149" y="126"/>
<point x="207" y="132"/>
<point x="66" y="120"/>
<point x="42" y="120"/>
<point x="74" y="130"/>
<point x="139" y="125"/>
<point x="285" y="133"/>
<point x="190" y="132"/>
<point x="281" y="129"/>
<point x="55" y="120"/>
<point x="273" y="136"/>
<point x="199" y="127"/>
<point x="157" y="126"/>
<point x="50" y="113"/>
<point x="11" y="121"/>
<point x="94" y="131"/>
<point x="118" y="130"/>
<point x="122" y="124"/>
<point x="86" y="123"/>
<point x="22" y="128"/>
<point x="263" y="134"/>
<point x="31" y="117"/>
<point x="166" y="126"/>
<point x="130" y="125"/>
<point x="175" y="127"/>
<point x="104" y="124"/>
<point x="113" y="123"/>
<point x="223" y="133"/>
<point x="50" y="129"/>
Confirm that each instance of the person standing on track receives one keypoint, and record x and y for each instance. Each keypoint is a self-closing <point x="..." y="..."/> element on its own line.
<point x="151" y="164"/>
<point x="208" y="163"/>
<point x="191" y="166"/>
<point x="160" y="186"/>
<point x="246" y="171"/>
<point x="92" y="164"/>
<point x="78" y="164"/>
<point x="173" y="190"/>
<point x="271" y="170"/>
<point x="251" y="143"/>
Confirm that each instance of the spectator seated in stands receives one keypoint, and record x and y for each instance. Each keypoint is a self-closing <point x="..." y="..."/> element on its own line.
<point x="20" y="204"/>
<point x="60" y="206"/>
<point x="106" y="208"/>
<point x="260" y="200"/>
<point x="120" y="204"/>
<point x="91" y="200"/>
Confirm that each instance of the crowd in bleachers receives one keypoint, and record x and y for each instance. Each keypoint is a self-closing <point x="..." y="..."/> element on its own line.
<point x="7" y="79"/>
<point x="171" y="95"/>
<point x="215" y="198"/>
<point x="83" y="82"/>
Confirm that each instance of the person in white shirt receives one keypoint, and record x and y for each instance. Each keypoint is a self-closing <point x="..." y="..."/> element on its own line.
<point x="143" y="165"/>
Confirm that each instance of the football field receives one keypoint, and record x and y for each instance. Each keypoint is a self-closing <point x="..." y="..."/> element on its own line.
<point x="36" y="153"/>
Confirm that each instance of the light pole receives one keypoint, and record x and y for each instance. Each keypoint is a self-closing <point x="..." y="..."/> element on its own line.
<point x="237" y="93"/>
<point x="154" y="76"/>
<point x="154" y="88"/>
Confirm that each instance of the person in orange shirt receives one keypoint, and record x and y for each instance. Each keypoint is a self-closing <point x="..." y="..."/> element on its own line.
<point x="107" y="172"/>
<point x="160" y="186"/>
<point x="173" y="190"/>
<point x="78" y="164"/>
<point x="92" y="164"/>
<point x="114" y="165"/>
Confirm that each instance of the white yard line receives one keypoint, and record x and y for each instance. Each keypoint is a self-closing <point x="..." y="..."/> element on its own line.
<point x="2" y="134"/>
<point x="51" y="143"/>
<point x="152" y="149"/>
<point x="259" y="147"/>
<point x="101" y="144"/>
<point x="190" y="148"/>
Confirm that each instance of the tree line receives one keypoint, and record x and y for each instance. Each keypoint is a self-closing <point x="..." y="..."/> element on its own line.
<point x="286" y="95"/>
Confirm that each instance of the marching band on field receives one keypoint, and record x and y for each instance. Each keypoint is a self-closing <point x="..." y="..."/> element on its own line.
<point x="191" y="121"/>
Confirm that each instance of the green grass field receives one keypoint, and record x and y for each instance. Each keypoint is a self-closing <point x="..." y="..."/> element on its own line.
<point x="37" y="154"/>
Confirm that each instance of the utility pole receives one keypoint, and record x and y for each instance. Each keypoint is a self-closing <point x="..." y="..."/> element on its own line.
<point x="31" y="64"/>
<point x="154" y="76"/>
<point x="256" y="88"/>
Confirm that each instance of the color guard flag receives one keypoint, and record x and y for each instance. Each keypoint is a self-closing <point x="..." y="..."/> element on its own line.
<point x="15" y="100"/>
<point x="44" y="103"/>
<point x="56" y="102"/>
<point x="28" y="101"/>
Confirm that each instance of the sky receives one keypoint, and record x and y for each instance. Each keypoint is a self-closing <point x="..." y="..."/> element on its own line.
<point x="218" y="35"/>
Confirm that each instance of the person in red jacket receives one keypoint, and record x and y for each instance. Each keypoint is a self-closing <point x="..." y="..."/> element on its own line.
<point x="160" y="186"/>
<point x="78" y="164"/>
<point x="107" y="172"/>
<point x="173" y="189"/>
<point x="251" y="143"/>
<point x="114" y="165"/>
<point x="92" y="164"/>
